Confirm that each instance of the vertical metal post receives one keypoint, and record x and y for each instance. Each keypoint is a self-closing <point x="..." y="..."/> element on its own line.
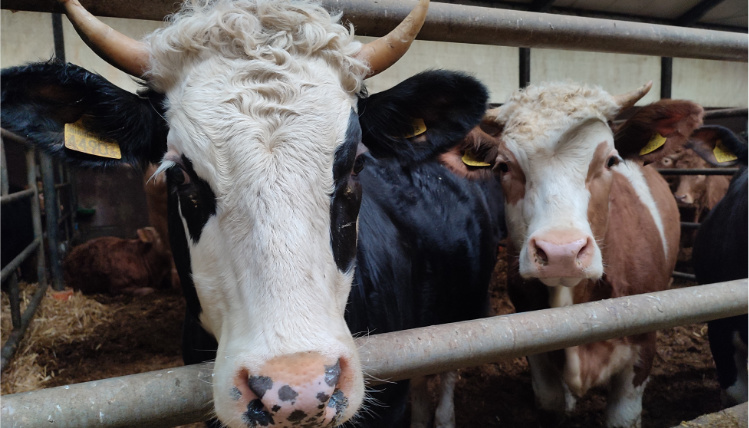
<point x="51" y="214"/>
<point x="525" y="67"/>
<point x="57" y="35"/>
<point x="36" y="217"/>
<point x="14" y="297"/>
<point x="667" y="71"/>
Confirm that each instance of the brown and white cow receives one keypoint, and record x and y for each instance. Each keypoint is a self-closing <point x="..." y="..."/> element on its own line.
<point x="586" y="221"/>
<point x="250" y="107"/>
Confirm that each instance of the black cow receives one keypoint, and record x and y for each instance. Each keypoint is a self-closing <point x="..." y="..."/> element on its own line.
<point x="720" y="254"/>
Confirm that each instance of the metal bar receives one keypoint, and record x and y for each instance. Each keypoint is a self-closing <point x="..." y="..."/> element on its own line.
<point x="7" y="135"/>
<point x="525" y="67"/>
<point x="51" y="209"/>
<point x="470" y="24"/>
<point x="59" y="186"/>
<point x="14" y="299"/>
<point x="36" y="217"/>
<point x="698" y="171"/>
<point x="23" y="194"/>
<point x="667" y="72"/>
<point x="683" y="275"/>
<point x="57" y="36"/>
<point x="14" y="338"/>
<point x="63" y="219"/>
<point x="23" y="255"/>
<point x="726" y="112"/>
<point x="689" y="225"/>
<point x="183" y="395"/>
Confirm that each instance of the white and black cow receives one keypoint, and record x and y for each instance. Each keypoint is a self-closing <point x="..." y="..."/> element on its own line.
<point x="720" y="254"/>
<point x="255" y="110"/>
<point x="586" y="221"/>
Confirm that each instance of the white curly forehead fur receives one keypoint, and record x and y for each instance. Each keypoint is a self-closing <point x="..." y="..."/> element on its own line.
<point x="538" y="113"/>
<point x="268" y="30"/>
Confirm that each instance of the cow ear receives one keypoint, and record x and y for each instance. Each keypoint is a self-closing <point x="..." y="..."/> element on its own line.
<point x="657" y="130"/>
<point x="719" y="146"/>
<point x="106" y="125"/>
<point x="422" y="116"/>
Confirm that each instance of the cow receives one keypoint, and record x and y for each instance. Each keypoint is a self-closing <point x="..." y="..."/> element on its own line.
<point x="586" y="221"/>
<point x="252" y="110"/>
<point x="720" y="254"/>
<point x="429" y="227"/>
<point x="119" y="266"/>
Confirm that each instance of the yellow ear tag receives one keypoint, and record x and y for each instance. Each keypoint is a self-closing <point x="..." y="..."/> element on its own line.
<point x="419" y="128"/>
<point x="654" y="144"/>
<point x="722" y="154"/>
<point x="471" y="161"/>
<point x="81" y="140"/>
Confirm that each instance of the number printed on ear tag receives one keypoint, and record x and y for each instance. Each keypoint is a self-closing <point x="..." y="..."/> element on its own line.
<point x="78" y="138"/>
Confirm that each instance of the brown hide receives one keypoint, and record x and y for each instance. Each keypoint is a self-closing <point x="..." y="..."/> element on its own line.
<point x="116" y="266"/>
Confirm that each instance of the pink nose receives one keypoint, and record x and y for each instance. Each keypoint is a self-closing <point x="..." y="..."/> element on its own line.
<point x="561" y="255"/>
<point x="292" y="390"/>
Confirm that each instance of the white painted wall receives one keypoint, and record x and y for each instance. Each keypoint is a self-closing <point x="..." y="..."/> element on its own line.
<point x="27" y="36"/>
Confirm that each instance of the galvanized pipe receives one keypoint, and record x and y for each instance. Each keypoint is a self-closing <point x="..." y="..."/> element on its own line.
<point x="36" y="217"/>
<point x="182" y="395"/>
<point x="726" y="112"/>
<point x="14" y="338"/>
<point x="22" y="194"/>
<point x="470" y="24"/>
<point x="698" y="171"/>
<point x="52" y="211"/>
<point x="17" y="260"/>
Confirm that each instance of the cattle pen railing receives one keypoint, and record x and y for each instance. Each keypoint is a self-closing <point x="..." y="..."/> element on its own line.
<point x="184" y="395"/>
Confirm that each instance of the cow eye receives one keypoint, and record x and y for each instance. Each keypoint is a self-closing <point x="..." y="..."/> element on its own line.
<point x="358" y="164"/>
<point x="613" y="160"/>
<point x="179" y="175"/>
<point x="503" y="167"/>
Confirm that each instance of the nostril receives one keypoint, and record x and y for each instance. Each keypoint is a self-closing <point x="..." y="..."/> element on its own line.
<point x="256" y="415"/>
<point x="333" y="373"/>
<point x="539" y="255"/>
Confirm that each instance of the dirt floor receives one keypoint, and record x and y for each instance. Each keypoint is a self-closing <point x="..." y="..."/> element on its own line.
<point x="137" y="334"/>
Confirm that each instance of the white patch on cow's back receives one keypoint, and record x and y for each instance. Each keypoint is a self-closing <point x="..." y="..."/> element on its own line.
<point x="633" y="172"/>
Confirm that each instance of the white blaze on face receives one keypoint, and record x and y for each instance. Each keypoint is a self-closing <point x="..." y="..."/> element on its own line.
<point x="263" y="266"/>
<point x="557" y="152"/>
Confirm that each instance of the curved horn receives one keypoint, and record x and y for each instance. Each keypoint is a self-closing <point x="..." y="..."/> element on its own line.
<point x="385" y="51"/>
<point x="129" y="55"/>
<point x="629" y="99"/>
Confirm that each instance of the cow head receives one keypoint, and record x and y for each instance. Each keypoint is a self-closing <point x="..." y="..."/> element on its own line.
<point x="556" y="156"/>
<point x="251" y="109"/>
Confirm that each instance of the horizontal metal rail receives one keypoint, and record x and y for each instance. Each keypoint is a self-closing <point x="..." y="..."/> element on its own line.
<point x="490" y="26"/>
<point x="21" y="194"/>
<point x="23" y="255"/>
<point x="183" y="395"/>
<point x="698" y="171"/>
<point x="727" y="112"/>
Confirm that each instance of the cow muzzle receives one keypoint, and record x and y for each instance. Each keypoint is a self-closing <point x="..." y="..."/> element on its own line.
<point x="302" y="389"/>
<point x="561" y="258"/>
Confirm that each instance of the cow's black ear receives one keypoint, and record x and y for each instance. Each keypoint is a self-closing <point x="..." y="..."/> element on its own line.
<point x="39" y="99"/>
<point x="719" y="146"/>
<point x="422" y="116"/>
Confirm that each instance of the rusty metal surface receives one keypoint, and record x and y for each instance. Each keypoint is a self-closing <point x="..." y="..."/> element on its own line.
<point x="182" y="395"/>
<point x="471" y="24"/>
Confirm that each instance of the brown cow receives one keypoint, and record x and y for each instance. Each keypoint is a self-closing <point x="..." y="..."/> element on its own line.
<point x="119" y="266"/>
<point x="587" y="221"/>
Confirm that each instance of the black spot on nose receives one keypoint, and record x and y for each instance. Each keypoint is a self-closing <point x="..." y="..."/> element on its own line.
<point x="286" y="393"/>
<point x="256" y="415"/>
<point x="260" y="385"/>
<point x="297" y="416"/>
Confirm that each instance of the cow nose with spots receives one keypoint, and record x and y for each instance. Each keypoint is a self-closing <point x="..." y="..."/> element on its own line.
<point x="303" y="389"/>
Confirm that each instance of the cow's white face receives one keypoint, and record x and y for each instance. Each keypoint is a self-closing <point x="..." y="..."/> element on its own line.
<point x="258" y="152"/>
<point x="556" y="161"/>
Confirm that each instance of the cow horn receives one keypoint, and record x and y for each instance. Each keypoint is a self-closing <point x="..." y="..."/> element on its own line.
<point x="385" y="51"/>
<point x="629" y="99"/>
<point x="121" y="51"/>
